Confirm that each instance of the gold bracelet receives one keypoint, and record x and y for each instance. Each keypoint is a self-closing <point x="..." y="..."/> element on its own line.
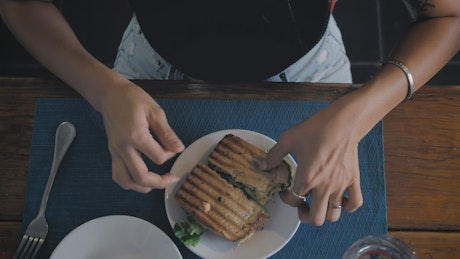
<point x="406" y="71"/>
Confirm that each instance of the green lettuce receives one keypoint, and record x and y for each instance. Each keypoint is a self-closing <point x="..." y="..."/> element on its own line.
<point x="188" y="231"/>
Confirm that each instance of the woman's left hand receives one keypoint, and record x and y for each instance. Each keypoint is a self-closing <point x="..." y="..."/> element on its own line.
<point x="326" y="149"/>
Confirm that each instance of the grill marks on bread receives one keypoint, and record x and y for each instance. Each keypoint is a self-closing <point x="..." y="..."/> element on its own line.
<point x="238" y="161"/>
<point x="218" y="205"/>
<point x="226" y="195"/>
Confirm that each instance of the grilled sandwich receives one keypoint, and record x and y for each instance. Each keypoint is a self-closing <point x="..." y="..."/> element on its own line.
<point x="238" y="161"/>
<point x="227" y="194"/>
<point x="218" y="205"/>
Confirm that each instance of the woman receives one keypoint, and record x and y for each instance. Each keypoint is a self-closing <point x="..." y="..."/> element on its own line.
<point x="283" y="41"/>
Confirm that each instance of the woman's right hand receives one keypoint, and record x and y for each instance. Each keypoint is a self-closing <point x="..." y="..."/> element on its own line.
<point x="129" y="113"/>
<point x="130" y="117"/>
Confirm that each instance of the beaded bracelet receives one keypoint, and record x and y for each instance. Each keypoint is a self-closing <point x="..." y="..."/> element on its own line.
<point x="406" y="71"/>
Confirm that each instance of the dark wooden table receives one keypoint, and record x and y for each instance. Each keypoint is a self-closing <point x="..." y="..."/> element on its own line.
<point x="421" y="138"/>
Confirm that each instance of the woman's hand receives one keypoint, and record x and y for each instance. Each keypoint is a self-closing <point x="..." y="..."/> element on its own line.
<point x="325" y="145"/>
<point x="129" y="115"/>
<point x="326" y="148"/>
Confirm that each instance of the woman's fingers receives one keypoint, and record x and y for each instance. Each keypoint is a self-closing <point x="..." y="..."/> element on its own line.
<point x="166" y="135"/>
<point x="291" y="198"/>
<point x="354" y="199"/>
<point x="334" y="207"/>
<point x="130" y="137"/>
<point x="121" y="175"/>
<point x="274" y="157"/>
<point x="316" y="214"/>
<point x="132" y="174"/>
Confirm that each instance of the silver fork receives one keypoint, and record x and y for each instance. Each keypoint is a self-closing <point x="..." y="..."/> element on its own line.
<point x="38" y="228"/>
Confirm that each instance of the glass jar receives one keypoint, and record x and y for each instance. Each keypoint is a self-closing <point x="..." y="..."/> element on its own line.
<point x="379" y="247"/>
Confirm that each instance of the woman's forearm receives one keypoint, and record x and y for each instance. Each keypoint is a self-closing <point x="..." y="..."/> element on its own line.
<point x="43" y="31"/>
<point x="426" y="48"/>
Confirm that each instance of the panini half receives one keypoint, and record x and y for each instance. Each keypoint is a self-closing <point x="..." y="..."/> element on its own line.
<point x="218" y="205"/>
<point x="238" y="161"/>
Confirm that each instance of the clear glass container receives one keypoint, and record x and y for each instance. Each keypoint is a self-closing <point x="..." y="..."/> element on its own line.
<point x="379" y="247"/>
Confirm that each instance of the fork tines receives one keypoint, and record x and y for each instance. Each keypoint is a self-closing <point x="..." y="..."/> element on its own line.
<point x="28" y="247"/>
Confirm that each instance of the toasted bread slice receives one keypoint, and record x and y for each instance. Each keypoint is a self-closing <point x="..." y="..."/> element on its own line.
<point x="238" y="161"/>
<point x="218" y="205"/>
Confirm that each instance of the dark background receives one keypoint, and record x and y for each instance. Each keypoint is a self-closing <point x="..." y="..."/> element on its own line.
<point x="370" y="29"/>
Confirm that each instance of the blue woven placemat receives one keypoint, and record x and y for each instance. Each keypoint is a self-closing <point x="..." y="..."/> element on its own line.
<point x="84" y="190"/>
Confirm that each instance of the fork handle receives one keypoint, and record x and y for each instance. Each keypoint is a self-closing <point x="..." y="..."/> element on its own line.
<point x="65" y="135"/>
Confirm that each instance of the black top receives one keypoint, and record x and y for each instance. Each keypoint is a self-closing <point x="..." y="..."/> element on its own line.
<point x="232" y="40"/>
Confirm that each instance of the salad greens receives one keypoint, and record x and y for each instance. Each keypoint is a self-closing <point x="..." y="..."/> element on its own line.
<point x="188" y="231"/>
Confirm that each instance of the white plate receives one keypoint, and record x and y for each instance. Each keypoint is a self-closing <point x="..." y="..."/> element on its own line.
<point x="279" y="229"/>
<point x="114" y="237"/>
